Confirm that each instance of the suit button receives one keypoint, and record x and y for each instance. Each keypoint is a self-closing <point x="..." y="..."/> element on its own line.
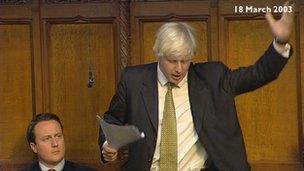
<point x="150" y="160"/>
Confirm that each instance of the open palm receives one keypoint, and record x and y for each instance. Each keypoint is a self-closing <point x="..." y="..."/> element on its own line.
<point x="282" y="28"/>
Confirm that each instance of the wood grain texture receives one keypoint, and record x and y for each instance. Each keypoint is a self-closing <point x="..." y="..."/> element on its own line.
<point x="301" y="82"/>
<point x="16" y="92"/>
<point x="72" y="49"/>
<point x="124" y="33"/>
<point x="44" y="63"/>
<point x="144" y="24"/>
<point x="277" y="167"/>
<point x="268" y="115"/>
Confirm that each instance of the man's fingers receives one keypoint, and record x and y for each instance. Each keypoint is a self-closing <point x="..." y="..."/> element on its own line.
<point x="269" y="17"/>
<point x="288" y="16"/>
<point x="286" y="3"/>
<point x="108" y="148"/>
<point x="109" y="153"/>
<point x="292" y="9"/>
<point x="109" y="156"/>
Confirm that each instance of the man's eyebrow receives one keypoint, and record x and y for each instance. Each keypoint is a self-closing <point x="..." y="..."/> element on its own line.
<point x="45" y="136"/>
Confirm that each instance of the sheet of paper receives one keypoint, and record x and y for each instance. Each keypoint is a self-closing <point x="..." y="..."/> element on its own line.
<point x="118" y="136"/>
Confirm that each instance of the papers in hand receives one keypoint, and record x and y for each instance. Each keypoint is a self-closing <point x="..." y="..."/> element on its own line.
<point x="118" y="136"/>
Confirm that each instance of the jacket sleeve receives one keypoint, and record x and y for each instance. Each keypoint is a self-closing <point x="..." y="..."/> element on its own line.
<point x="116" y="113"/>
<point x="265" y="70"/>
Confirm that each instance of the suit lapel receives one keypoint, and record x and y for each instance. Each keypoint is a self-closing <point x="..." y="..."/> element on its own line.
<point x="149" y="94"/>
<point x="200" y="99"/>
<point x="199" y="95"/>
<point x="36" y="166"/>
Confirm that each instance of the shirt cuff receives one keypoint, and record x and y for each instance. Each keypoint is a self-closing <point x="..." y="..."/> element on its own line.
<point x="283" y="51"/>
<point x="106" y="142"/>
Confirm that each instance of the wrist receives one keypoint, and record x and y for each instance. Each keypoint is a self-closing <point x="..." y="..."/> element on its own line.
<point x="282" y="49"/>
<point x="280" y="41"/>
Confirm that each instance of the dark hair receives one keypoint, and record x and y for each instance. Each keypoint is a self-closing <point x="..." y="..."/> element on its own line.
<point x="30" y="135"/>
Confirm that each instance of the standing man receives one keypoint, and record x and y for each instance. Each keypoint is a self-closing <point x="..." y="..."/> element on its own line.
<point x="45" y="137"/>
<point x="187" y="110"/>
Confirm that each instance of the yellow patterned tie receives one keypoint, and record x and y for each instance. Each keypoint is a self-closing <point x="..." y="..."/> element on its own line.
<point x="168" y="144"/>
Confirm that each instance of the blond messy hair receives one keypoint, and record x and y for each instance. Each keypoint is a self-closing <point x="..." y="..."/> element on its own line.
<point x="175" y="40"/>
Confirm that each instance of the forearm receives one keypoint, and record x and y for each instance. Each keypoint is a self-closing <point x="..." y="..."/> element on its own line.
<point x="265" y="70"/>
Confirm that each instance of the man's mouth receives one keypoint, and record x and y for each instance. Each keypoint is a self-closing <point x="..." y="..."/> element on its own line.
<point x="56" y="152"/>
<point x="176" y="77"/>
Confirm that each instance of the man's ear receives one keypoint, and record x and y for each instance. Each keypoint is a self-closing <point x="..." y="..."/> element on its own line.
<point x="33" y="147"/>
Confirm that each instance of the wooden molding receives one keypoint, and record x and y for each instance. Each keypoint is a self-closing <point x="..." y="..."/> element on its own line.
<point x="124" y="33"/>
<point x="75" y="1"/>
<point x="15" y="2"/>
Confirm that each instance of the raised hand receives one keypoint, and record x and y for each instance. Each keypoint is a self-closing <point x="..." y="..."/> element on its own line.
<point x="282" y="28"/>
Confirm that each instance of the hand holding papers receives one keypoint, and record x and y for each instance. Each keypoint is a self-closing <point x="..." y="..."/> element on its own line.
<point x="118" y="136"/>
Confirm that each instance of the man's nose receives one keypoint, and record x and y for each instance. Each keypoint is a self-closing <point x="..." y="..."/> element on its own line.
<point x="54" y="142"/>
<point x="178" y="67"/>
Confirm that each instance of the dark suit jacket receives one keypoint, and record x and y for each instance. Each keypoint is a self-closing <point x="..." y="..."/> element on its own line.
<point x="68" y="166"/>
<point x="212" y="88"/>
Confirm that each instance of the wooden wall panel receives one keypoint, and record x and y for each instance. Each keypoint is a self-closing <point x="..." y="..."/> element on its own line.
<point x="73" y="48"/>
<point x="144" y="24"/>
<point x="16" y="89"/>
<point x="78" y="37"/>
<point x="263" y="113"/>
<point x="270" y="117"/>
<point x="149" y="31"/>
<point x="301" y="70"/>
<point x="47" y="46"/>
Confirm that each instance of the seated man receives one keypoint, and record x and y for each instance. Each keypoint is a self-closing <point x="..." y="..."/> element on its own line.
<point x="45" y="137"/>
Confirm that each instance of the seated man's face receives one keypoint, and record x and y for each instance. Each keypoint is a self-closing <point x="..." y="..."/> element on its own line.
<point x="49" y="144"/>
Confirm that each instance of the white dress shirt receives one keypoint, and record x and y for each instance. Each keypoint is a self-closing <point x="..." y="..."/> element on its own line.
<point x="285" y="51"/>
<point x="190" y="153"/>
<point x="58" y="167"/>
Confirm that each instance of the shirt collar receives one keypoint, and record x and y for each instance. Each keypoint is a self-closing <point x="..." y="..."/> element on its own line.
<point x="58" y="167"/>
<point x="163" y="80"/>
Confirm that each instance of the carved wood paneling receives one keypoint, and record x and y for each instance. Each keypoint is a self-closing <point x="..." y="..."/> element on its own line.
<point x="301" y="64"/>
<point x="47" y="47"/>
<point x="263" y="112"/>
<point x="145" y="23"/>
<point x="271" y="143"/>
<point x="81" y="41"/>
<point x="124" y="33"/>
<point x="75" y="1"/>
<point x="72" y="49"/>
<point x="16" y="89"/>
<point x="14" y="2"/>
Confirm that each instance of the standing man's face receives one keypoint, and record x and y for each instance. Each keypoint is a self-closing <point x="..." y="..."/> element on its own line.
<point x="49" y="145"/>
<point x="174" y="69"/>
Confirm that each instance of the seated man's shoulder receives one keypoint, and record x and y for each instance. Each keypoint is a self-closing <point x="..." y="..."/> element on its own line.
<point x="31" y="167"/>
<point x="71" y="166"/>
